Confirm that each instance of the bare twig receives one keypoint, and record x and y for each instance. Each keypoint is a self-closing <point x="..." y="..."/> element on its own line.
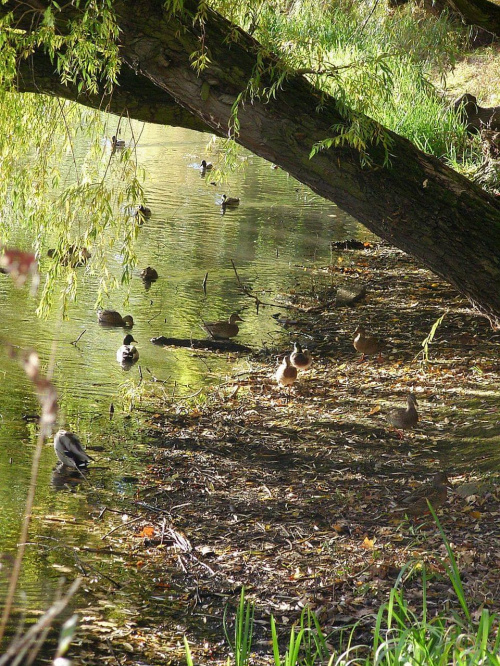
<point x="75" y="342"/>
<point x="257" y="300"/>
<point x="122" y="526"/>
<point x="154" y="317"/>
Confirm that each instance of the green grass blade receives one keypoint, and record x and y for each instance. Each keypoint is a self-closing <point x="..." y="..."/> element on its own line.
<point x="274" y="637"/>
<point x="452" y="569"/>
<point x="189" y="659"/>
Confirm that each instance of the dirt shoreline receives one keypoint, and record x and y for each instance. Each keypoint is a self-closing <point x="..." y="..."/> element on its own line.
<point x="296" y="497"/>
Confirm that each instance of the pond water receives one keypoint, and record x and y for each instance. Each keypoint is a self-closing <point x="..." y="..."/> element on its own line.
<point x="279" y="227"/>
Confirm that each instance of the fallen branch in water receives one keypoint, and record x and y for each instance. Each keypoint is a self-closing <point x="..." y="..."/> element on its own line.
<point x="75" y="342"/>
<point x="210" y="345"/>
<point x="257" y="300"/>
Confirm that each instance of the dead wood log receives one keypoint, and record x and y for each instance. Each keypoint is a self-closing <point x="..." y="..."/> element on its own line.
<point x="209" y="345"/>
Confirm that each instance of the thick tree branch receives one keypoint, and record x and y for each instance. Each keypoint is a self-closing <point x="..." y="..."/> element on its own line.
<point x="481" y="13"/>
<point x="135" y="95"/>
<point x="416" y="202"/>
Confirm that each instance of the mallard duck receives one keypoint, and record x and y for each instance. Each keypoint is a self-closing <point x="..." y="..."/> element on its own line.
<point x="223" y="330"/>
<point x="436" y="492"/>
<point x="206" y="166"/>
<point x="114" y="318"/>
<point x="144" y="211"/>
<point x="300" y="358"/>
<point x="149" y="274"/>
<point x="127" y="353"/>
<point x="74" y="256"/>
<point x="286" y="373"/>
<point x="366" y="344"/>
<point x="229" y="202"/>
<point x="404" y="418"/>
<point x="117" y="143"/>
<point x="70" y="451"/>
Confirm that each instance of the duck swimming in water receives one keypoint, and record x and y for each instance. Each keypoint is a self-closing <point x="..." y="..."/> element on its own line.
<point x="205" y="166"/>
<point x="144" y="211"/>
<point x="117" y="143"/>
<point x="127" y="353"/>
<point x="229" y="202"/>
<point x="74" y="256"/>
<point x="114" y="318"/>
<point x="223" y="330"/>
<point x="149" y="274"/>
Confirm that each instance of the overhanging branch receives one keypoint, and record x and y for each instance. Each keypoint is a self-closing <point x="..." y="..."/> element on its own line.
<point x="135" y="95"/>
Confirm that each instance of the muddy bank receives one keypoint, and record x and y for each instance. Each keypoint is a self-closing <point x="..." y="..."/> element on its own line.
<point x="297" y="496"/>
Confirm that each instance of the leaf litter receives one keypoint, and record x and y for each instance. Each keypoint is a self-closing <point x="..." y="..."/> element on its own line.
<point x="294" y="493"/>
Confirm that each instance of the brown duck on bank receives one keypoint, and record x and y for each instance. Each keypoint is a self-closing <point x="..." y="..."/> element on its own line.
<point x="114" y="318"/>
<point x="366" y="344"/>
<point x="300" y="358"/>
<point x="404" y="418"/>
<point x="286" y="374"/>
<point x="436" y="492"/>
<point x="223" y="330"/>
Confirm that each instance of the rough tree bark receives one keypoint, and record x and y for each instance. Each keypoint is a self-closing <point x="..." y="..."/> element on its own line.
<point x="481" y="13"/>
<point x="134" y="96"/>
<point x="451" y="225"/>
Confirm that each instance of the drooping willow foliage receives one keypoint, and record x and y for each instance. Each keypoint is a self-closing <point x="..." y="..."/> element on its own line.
<point x="375" y="62"/>
<point x="62" y="186"/>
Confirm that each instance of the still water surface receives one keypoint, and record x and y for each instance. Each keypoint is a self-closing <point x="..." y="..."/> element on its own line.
<point x="279" y="227"/>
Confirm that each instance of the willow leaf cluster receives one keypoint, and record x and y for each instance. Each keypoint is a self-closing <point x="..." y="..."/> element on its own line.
<point x="63" y="189"/>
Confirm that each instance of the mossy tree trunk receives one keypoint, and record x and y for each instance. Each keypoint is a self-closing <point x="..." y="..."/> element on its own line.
<point x="451" y="225"/>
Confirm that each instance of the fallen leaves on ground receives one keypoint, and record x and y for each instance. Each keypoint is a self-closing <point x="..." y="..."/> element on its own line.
<point x="294" y="494"/>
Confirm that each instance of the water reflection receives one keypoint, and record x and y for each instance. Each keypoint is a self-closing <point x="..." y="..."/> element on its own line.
<point x="278" y="226"/>
<point x="64" y="478"/>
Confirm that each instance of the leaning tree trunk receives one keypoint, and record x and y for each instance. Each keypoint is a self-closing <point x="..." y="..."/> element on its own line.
<point x="134" y="96"/>
<point x="416" y="202"/>
<point x="482" y="13"/>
